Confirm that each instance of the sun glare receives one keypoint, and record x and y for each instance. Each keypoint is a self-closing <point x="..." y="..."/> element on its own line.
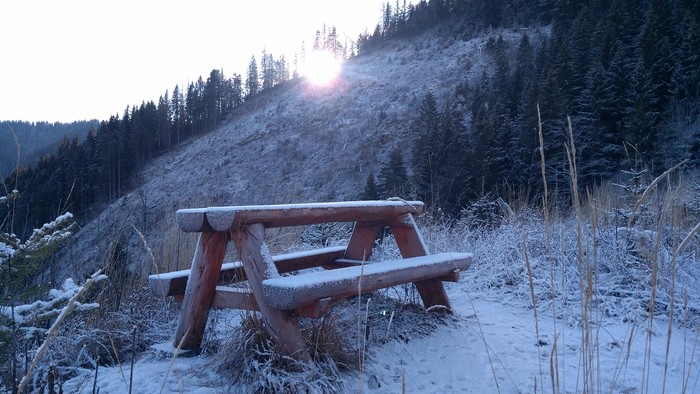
<point x="321" y="68"/>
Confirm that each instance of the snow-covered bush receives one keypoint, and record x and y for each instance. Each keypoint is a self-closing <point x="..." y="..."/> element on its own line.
<point x="21" y="260"/>
<point x="483" y="212"/>
<point x="28" y="324"/>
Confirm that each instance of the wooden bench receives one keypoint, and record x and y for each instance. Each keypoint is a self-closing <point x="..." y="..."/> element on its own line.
<point x="294" y="292"/>
<point x="281" y="299"/>
<point x="173" y="283"/>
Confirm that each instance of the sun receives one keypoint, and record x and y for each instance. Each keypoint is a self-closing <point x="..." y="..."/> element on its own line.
<point x="321" y="68"/>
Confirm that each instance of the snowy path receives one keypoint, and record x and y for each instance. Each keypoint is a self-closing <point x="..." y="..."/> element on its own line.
<point x="454" y="358"/>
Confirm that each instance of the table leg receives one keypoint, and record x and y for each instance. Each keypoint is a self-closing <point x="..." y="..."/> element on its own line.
<point x="362" y="241"/>
<point x="258" y="266"/>
<point x="201" y="286"/>
<point x="411" y="244"/>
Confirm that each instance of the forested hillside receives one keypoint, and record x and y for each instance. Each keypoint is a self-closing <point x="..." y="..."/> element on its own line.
<point x="35" y="140"/>
<point x="623" y="72"/>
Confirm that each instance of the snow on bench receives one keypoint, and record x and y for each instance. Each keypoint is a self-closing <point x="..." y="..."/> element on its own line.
<point x="174" y="283"/>
<point x="299" y="291"/>
<point x="283" y="215"/>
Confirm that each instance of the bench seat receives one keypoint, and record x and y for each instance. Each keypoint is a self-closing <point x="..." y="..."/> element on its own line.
<point x="174" y="283"/>
<point x="298" y="291"/>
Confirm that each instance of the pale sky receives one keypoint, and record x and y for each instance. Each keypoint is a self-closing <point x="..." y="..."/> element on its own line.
<point x="73" y="60"/>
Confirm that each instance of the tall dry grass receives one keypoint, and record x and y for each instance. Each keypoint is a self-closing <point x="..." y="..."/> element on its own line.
<point x="648" y="225"/>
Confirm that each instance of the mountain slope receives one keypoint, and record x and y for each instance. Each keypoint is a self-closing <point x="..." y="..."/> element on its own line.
<point x="293" y="143"/>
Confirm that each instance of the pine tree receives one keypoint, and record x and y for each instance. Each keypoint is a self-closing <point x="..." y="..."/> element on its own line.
<point x="450" y="175"/>
<point x="177" y="112"/>
<point x="267" y="70"/>
<point x="387" y="20"/>
<point x="653" y="78"/>
<point x="236" y="90"/>
<point x="425" y="132"/>
<point x="252" y="84"/>
<point x="393" y="179"/>
<point x="163" y="136"/>
<point x="281" y="70"/>
<point x="213" y="98"/>
<point x="686" y="54"/>
<point x="371" y="191"/>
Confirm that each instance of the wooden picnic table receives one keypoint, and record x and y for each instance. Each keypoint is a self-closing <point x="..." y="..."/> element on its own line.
<point x="281" y="299"/>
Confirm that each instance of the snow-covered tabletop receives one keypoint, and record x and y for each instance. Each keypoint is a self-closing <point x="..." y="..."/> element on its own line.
<point x="281" y="215"/>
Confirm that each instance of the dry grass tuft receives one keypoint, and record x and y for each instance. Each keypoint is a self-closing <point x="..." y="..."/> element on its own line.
<point x="251" y="361"/>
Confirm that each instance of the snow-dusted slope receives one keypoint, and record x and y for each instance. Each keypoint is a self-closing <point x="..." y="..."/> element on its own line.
<point x="292" y="143"/>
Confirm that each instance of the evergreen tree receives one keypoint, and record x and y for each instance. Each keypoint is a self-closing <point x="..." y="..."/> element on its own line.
<point x="163" y="136"/>
<point x="178" y="112"/>
<point x="213" y="98"/>
<point x="267" y="70"/>
<point x="686" y="73"/>
<point x="371" y="191"/>
<point x="252" y="84"/>
<point x="450" y="175"/>
<point x="653" y="77"/>
<point x="525" y="133"/>
<point x="393" y="179"/>
<point x="425" y="129"/>
<point x="236" y="90"/>
<point x="281" y="71"/>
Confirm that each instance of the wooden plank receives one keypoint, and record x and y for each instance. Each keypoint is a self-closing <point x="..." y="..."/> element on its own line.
<point x="451" y="277"/>
<point x="303" y="260"/>
<point x="235" y="217"/>
<point x="258" y="265"/>
<point x="301" y="290"/>
<point x="411" y="244"/>
<point x="200" y="290"/>
<point x="343" y="263"/>
<point x="174" y="283"/>
<point x="234" y="297"/>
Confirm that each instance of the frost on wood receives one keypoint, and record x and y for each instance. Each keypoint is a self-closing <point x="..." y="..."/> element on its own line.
<point x="222" y="218"/>
<point x="191" y="219"/>
<point x="271" y="269"/>
<point x="284" y="292"/>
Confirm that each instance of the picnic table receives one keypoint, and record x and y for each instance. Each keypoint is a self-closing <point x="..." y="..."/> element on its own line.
<point x="281" y="299"/>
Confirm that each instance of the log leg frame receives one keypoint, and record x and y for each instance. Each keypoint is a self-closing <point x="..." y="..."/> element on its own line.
<point x="411" y="244"/>
<point x="258" y="266"/>
<point x="201" y="286"/>
<point x="362" y="240"/>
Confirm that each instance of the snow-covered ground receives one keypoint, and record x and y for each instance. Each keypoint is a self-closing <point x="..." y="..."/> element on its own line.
<point x="496" y="341"/>
<point x="488" y="347"/>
